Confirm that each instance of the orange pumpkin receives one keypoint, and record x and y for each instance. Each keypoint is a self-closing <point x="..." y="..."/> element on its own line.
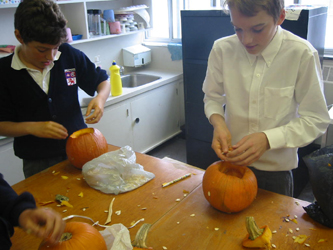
<point x="77" y="235"/>
<point x="228" y="187"/>
<point x="84" y="145"/>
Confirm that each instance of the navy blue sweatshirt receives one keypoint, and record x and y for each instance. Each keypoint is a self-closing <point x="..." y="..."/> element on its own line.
<point x="11" y="206"/>
<point x="21" y="99"/>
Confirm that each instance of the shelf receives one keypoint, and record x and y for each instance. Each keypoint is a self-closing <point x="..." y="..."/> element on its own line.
<point x="106" y="37"/>
<point x="81" y="1"/>
<point x="76" y="13"/>
<point x="5" y="6"/>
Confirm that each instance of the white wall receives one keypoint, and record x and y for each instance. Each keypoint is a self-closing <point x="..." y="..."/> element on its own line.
<point x="109" y="49"/>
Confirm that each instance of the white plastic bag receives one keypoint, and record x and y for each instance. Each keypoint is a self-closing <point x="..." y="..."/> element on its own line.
<point x="117" y="237"/>
<point x="116" y="172"/>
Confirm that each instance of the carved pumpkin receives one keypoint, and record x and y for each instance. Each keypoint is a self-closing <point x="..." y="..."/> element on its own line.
<point x="77" y="235"/>
<point x="228" y="187"/>
<point x="84" y="145"/>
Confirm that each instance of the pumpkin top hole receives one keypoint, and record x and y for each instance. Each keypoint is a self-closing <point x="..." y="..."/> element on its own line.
<point x="82" y="132"/>
<point x="65" y="236"/>
<point x="237" y="172"/>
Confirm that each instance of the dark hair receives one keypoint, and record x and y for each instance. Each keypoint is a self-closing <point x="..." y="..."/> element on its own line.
<point x="41" y="21"/>
<point x="251" y="7"/>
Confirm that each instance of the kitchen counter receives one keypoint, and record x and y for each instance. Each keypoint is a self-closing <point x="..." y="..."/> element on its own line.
<point x="181" y="218"/>
<point x="166" y="77"/>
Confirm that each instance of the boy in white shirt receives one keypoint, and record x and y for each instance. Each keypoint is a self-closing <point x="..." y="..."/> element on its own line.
<point x="264" y="94"/>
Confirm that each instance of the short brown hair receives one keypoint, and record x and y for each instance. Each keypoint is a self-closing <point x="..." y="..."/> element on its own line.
<point x="41" y="21"/>
<point x="251" y="7"/>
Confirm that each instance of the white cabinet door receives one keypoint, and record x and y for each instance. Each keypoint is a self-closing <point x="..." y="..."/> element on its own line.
<point x="155" y="117"/>
<point x="115" y="125"/>
<point x="11" y="166"/>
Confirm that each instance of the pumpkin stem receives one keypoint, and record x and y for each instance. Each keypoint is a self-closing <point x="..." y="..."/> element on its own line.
<point x="252" y="228"/>
<point x="65" y="236"/>
<point x="141" y="235"/>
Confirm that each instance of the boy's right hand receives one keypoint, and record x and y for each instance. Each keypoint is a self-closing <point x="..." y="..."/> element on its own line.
<point x="221" y="138"/>
<point x="48" y="129"/>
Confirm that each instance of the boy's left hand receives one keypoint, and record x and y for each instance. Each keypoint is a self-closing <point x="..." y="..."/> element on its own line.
<point x="96" y="104"/>
<point x="249" y="149"/>
<point x="43" y="222"/>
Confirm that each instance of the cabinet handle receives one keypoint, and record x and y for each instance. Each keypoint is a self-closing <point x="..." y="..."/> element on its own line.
<point x="137" y="120"/>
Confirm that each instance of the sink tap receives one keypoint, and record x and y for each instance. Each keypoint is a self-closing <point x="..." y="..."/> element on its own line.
<point x="121" y="70"/>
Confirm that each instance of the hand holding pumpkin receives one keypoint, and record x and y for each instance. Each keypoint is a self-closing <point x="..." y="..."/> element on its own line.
<point x="44" y="223"/>
<point x="222" y="137"/>
<point x="47" y="129"/>
<point x="249" y="149"/>
<point x="95" y="105"/>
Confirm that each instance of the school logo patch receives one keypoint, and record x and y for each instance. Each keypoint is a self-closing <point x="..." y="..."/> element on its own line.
<point x="70" y="76"/>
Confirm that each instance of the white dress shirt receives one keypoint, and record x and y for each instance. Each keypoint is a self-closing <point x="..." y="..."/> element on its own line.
<point x="41" y="78"/>
<point x="279" y="92"/>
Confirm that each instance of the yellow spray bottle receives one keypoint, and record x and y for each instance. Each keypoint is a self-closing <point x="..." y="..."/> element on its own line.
<point x="116" y="84"/>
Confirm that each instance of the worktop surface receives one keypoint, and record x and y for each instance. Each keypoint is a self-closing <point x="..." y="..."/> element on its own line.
<point x="181" y="218"/>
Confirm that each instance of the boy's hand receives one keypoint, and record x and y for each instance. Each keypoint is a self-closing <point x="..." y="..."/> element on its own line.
<point x="221" y="142"/>
<point x="221" y="137"/>
<point x="96" y="104"/>
<point x="43" y="222"/>
<point x="249" y="149"/>
<point x="47" y="129"/>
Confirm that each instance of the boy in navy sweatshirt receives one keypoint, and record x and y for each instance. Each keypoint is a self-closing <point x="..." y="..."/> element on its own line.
<point x="39" y="83"/>
<point x="20" y="210"/>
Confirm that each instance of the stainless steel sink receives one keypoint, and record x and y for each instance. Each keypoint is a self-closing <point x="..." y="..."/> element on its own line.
<point x="136" y="80"/>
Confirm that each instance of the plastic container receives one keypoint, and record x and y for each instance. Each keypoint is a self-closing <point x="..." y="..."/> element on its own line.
<point x="91" y="26"/>
<point x="97" y="22"/>
<point x="116" y="83"/>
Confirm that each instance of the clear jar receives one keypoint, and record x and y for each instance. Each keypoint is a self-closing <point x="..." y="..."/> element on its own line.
<point x="91" y="27"/>
<point x="97" y="22"/>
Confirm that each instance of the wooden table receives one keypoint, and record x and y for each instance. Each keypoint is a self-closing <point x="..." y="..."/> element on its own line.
<point x="190" y="223"/>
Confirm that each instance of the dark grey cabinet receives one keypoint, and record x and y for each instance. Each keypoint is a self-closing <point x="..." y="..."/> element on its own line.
<point x="199" y="31"/>
<point x="311" y="25"/>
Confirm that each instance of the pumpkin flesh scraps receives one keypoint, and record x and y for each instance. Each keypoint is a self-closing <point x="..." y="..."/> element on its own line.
<point x="257" y="237"/>
<point x="229" y="188"/>
<point x="140" y="238"/>
<point x="300" y="239"/>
